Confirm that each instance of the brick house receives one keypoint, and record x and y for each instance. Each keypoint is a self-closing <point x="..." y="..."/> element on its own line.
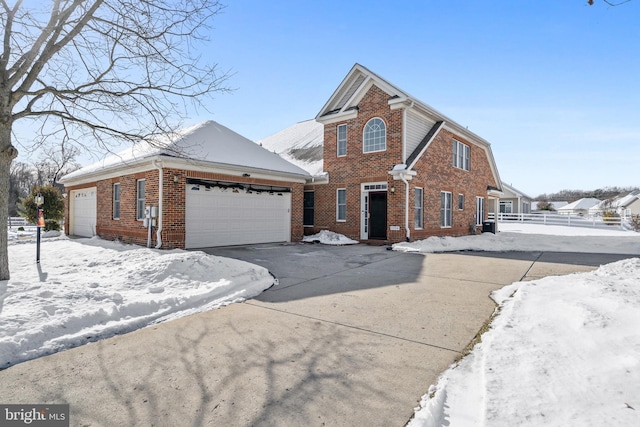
<point x="209" y="186"/>
<point x="393" y="168"/>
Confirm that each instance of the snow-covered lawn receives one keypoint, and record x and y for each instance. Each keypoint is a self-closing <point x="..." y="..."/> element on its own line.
<point x="83" y="291"/>
<point x="561" y="351"/>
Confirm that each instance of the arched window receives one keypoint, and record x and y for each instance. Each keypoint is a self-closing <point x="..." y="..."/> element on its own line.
<point x="375" y="136"/>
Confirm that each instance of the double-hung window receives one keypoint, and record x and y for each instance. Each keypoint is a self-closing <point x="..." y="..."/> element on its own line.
<point x="445" y="209"/>
<point x="461" y="155"/>
<point x="374" y="136"/>
<point x="116" y="200"/>
<point x="140" y="199"/>
<point x="341" y="205"/>
<point x="418" y="208"/>
<point x="342" y="140"/>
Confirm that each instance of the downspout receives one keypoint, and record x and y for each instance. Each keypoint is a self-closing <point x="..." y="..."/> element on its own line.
<point x="406" y="207"/>
<point x="160" y="192"/>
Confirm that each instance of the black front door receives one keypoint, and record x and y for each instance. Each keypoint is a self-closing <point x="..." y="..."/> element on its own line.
<point x="378" y="215"/>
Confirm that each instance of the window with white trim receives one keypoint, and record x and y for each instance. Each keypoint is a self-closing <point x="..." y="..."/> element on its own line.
<point x="342" y="140"/>
<point x="479" y="210"/>
<point x="140" y="199"/>
<point x="461" y="155"/>
<point x="445" y="209"/>
<point x="506" y="206"/>
<point x="116" y="200"/>
<point x="341" y="204"/>
<point x="374" y="136"/>
<point x="418" y="208"/>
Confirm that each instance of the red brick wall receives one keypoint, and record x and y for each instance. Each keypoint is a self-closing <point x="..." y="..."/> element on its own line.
<point x="435" y="174"/>
<point x="128" y="230"/>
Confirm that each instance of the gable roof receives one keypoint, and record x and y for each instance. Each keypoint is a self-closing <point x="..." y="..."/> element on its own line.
<point x="510" y="189"/>
<point x="343" y="105"/>
<point x="301" y="144"/>
<point x="584" y="203"/>
<point x="207" y="143"/>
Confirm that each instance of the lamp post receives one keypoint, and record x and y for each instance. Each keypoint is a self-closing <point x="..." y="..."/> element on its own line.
<point x="39" y="201"/>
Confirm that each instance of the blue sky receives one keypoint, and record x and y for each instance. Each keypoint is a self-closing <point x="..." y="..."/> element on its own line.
<point x="553" y="85"/>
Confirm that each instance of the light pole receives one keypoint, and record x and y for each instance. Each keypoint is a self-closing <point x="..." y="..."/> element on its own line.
<point x="39" y="200"/>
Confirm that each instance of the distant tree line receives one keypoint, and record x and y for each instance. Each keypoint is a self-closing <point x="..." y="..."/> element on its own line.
<point x="573" y="195"/>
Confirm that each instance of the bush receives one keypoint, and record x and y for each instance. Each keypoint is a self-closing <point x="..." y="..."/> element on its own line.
<point x="53" y="206"/>
<point x="21" y="228"/>
<point x="611" y="217"/>
<point x="634" y="220"/>
<point x="51" y="225"/>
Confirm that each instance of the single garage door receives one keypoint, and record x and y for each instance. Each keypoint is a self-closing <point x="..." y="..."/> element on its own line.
<point x="224" y="216"/>
<point x="83" y="210"/>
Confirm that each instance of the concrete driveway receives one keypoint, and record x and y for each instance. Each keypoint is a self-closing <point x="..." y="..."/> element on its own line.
<point x="352" y="335"/>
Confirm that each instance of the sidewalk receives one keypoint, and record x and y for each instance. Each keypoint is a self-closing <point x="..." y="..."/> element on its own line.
<point x="350" y="336"/>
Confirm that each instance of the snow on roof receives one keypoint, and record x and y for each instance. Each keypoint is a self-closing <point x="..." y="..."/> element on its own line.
<point x="300" y="144"/>
<point x="208" y="141"/>
<point x="584" y="203"/>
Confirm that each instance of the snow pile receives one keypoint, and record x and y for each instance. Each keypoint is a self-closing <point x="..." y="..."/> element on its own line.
<point x="92" y="290"/>
<point x="562" y="351"/>
<point x="327" y="237"/>
<point x="537" y="237"/>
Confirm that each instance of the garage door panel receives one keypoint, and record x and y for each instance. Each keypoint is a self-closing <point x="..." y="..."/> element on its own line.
<point x="217" y="217"/>
<point x="83" y="212"/>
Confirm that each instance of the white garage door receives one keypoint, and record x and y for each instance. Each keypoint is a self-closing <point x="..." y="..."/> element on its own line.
<point x="83" y="209"/>
<point x="217" y="217"/>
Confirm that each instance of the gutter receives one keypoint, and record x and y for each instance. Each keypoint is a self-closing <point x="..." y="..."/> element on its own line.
<point x="401" y="173"/>
<point x="160" y="199"/>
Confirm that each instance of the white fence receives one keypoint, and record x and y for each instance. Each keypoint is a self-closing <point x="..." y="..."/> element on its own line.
<point x="549" y="218"/>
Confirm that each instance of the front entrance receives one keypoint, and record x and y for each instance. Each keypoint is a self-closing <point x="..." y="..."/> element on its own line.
<point x="373" y="208"/>
<point x="378" y="215"/>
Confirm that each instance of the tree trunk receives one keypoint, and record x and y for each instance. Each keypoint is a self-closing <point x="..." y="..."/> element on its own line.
<point x="7" y="154"/>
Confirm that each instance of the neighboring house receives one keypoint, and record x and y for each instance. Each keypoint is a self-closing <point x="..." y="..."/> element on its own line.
<point x="211" y="187"/>
<point x="393" y="168"/>
<point x="554" y="205"/>
<point x="514" y="201"/>
<point x="579" y="207"/>
<point x="624" y="206"/>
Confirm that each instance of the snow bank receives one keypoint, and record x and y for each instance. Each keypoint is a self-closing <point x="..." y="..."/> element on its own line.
<point x="327" y="237"/>
<point x="89" y="290"/>
<point x="562" y="351"/>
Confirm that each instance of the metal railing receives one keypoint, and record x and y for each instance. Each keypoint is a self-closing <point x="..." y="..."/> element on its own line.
<point x="550" y="218"/>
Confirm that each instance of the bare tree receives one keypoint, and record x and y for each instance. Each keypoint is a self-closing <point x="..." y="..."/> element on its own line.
<point x="21" y="179"/>
<point x="90" y="72"/>
<point x="57" y="162"/>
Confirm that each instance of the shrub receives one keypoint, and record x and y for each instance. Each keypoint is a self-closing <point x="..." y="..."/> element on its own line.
<point x="634" y="220"/>
<point x="611" y="217"/>
<point x="53" y="206"/>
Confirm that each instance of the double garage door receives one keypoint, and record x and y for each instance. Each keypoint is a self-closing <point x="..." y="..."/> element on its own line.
<point x="83" y="209"/>
<point x="219" y="216"/>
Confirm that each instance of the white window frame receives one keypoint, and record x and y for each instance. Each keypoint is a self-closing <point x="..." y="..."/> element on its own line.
<point x="140" y="199"/>
<point x="341" y="140"/>
<point x="461" y="155"/>
<point x="341" y="216"/>
<point x="418" y="208"/>
<point x="460" y="199"/>
<point x="116" y="200"/>
<point x="446" y="211"/>
<point x="370" y="139"/>
<point x="505" y="204"/>
<point x="480" y="209"/>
